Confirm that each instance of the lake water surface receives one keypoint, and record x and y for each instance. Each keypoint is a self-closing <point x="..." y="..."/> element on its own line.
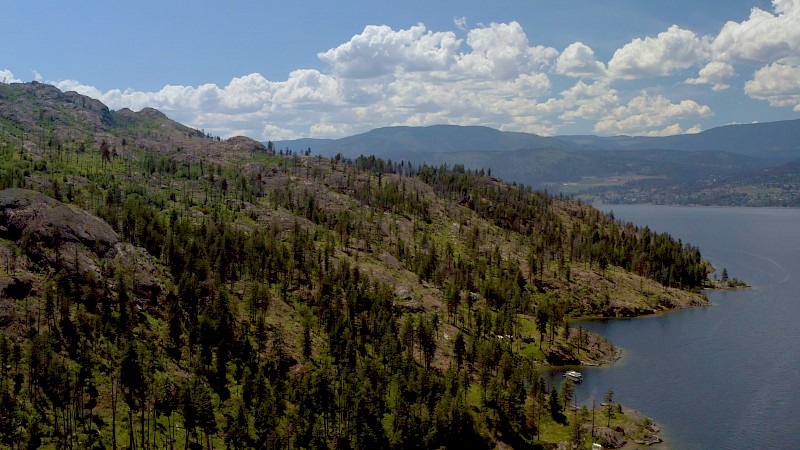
<point x="725" y="376"/>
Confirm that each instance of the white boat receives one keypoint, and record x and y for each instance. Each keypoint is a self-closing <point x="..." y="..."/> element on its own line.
<point x="573" y="375"/>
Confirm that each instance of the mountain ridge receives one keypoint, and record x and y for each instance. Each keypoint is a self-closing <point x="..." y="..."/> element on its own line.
<point x="619" y="168"/>
<point x="391" y="141"/>
<point x="776" y="140"/>
<point x="781" y="138"/>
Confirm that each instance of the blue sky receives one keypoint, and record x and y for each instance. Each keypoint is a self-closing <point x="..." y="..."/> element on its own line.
<point x="281" y="70"/>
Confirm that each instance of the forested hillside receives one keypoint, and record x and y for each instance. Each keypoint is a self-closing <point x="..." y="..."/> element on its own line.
<point x="163" y="288"/>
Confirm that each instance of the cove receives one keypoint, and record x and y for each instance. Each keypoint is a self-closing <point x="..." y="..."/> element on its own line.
<point x="723" y="376"/>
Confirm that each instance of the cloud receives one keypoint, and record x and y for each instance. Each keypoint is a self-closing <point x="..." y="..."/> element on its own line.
<point x="251" y="98"/>
<point x="501" y="51"/>
<point x="379" y="77"/>
<point x="493" y="75"/>
<point x="91" y="91"/>
<point x="763" y="37"/>
<point x="379" y="50"/>
<point x="673" y="130"/>
<point x="206" y="97"/>
<point x="645" y="113"/>
<point x="588" y="101"/>
<point x="325" y="129"/>
<point x="714" y="73"/>
<point x="8" y="77"/>
<point x="694" y="129"/>
<point x="672" y="50"/>
<point x="248" y="93"/>
<point x="578" y="60"/>
<point x="305" y="88"/>
<point x="416" y="76"/>
<point x="276" y="133"/>
<point x="776" y="83"/>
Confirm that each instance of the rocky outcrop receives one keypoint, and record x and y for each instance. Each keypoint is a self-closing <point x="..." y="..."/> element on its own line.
<point x="581" y="348"/>
<point x="559" y="355"/>
<point x="54" y="233"/>
<point x="64" y="237"/>
<point x="246" y="144"/>
<point x="63" y="110"/>
<point x="608" y="437"/>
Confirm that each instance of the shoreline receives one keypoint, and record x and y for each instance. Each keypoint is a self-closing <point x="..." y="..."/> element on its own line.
<point x="647" y="434"/>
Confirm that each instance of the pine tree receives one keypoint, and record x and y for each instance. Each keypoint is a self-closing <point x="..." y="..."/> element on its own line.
<point x="608" y="401"/>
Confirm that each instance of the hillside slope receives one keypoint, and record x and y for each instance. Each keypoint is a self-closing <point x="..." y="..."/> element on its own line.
<point x="161" y="287"/>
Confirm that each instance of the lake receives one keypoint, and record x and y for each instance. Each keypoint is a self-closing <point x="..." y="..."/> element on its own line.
<point x="724" y="376"/>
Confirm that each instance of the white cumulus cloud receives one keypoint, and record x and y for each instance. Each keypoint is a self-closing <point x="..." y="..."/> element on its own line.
<point x="379" y="50"/>
<point x="714" y="73"/>
<point x="670" y="51"/>
<point x="91" y="91"/>
<point x="277" y="133"/>
<point x="501" y="51"/>
<point x="763" y="37"/>
<point x="674" y="129"/>
<point x="7" y="77"/>
<point x="588" y="101"/>
<point x="776" y="83"/>
<point x="494" y="76"/>
<point x="306" y="87"/>
<point x="645" y="113"/>
<point x="578" y="60"/>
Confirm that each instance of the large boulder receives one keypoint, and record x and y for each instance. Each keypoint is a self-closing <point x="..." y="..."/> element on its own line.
<point x="608" y="437"/>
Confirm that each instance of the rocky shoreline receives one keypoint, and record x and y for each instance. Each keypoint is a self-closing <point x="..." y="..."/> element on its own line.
<point x="630" y="429"/>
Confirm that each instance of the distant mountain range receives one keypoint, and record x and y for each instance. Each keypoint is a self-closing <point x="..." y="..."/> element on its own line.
<point x="669" y="169"/>
<point x="774" y="141"/>
<point x="393" y="142"/>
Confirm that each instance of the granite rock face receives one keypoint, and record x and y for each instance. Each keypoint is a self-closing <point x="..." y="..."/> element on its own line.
<point x="54" y="233"/>
<point x="67" y="238"/>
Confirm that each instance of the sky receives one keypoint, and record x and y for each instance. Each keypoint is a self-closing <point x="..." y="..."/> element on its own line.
<point x="283" y="70"/>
